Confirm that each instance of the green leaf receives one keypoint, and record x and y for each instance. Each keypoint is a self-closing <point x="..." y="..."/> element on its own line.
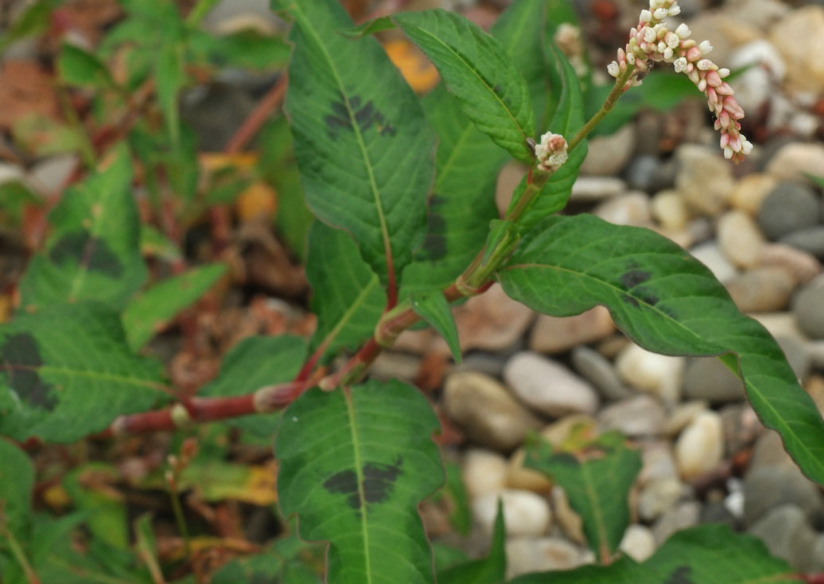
<point x="597" y="480"/>
<point x="285" y="561"/>
<point x="818" y="180"/>
<point x="254" y="363"/>
<point x="477" y="70"/>
<point x="83" y="69"/>
<point x="67" y="371"/>
<point x="153" y="243"/>
<point x="568" y="119"/>
<point x="489" y="570"/>
<point x="347" y="297"/>
<point x="93" y="251"/>
<point x="34" y="19"/>
<point x="434" y="309"/>
<point x="669" y="303"/>
<point x="361" y="140"/>
<point x="169" y="78"/>
<point x="106" y="516"/>
<point x="151" y="311"/>
<point x="462" y="202"/>
<point x="16" y="483"/>
<point x="354" y="465"/>
<point x="14" y="196"/>
<point x="708" y="554"/>
<point x="247" y="49"/>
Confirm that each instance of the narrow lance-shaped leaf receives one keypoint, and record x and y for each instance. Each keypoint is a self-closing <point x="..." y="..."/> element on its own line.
<point x="93" y="252"/>
<point x="16" y="482"/>
<point x="597" y="479"/>
<point x="361" y="141"/>
<point x="67" y="372"/>
<point x="346" y="295"/>
<point x="708" y="554"/>
<point x="147" y="314"/>
<point x="477" y="70"/>
<point x="83" y="69"/>
<point x="567" y="120"/>
<point x="434" y="309"/>
<point x="462" y="202"/>
<point x="669" y="303"/>
<point x="254" y="363"/>
<point x="354" y="465"/>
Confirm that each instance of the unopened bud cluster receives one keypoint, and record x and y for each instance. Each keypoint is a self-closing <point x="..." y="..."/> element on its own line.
<point x="652" y="42"/>
<point x="551" y="152"/>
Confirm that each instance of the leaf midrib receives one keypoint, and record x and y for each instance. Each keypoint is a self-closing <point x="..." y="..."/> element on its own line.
<point x="750" y="385"/>
<point x="477" y="74"/>
<point x="94" y="233"/>
<point x="86" y="374"/>
<point x="350" y="411"/>
<point x="356" y="130"/>
<point x="350" y="312"/>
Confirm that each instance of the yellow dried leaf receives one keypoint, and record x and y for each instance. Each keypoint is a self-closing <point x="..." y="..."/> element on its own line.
<point x="418" y="71"/>
<point x="258" y="200"/>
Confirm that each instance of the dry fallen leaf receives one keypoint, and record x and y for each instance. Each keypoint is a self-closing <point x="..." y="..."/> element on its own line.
<point x="418" y="71"/>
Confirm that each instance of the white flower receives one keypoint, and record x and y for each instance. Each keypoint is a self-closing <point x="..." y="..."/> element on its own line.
<point x="674" y="10"/>
<point x="660" y="13"/>
<point x="705" y="64"/>
<point x="646" y="16"/>
<point x="705" y="47"/>
<point x="680" y="65"/>
<point x="613" y="69"/>
<point x="551" y="152"/>
<point x="723" y="72"/>
<point x="683" y="31"/>
<point x="649" y="35"/>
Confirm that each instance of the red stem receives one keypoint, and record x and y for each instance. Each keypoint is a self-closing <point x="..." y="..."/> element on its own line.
<point x="250" y="126"/>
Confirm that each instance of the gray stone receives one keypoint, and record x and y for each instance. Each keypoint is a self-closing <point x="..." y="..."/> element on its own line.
<point x="788" y="208"/>
<point x="704" y="179"/>
<point x="700" y="447"/>
<point x="711" y="256"/>
<point x="681" y="517"/>
<point x="525" y="555"/>
<point x="638" y="543"/>
<point x="788" y="535"/>
<point x="769" y="487"/>
<point x="798" y="356"/>
<point x="608" y="155"/>
<point x="548" y="387"/>
<point x="762" y="290"/>
<point x="810" y="240"/>
<point x="483" y="472"/>
<point x="658" y="462"/>
<point x="557" y="335"/>
<point x="650" y="174"/>
<point x="808" y="307"/>
<point x="637" y="416"/>
<point x="628" y="209"/>
<point x="598" y="370"/>
<point x="741" y="426"/>
<point x="717" y="512"/>
<point x="740" y="239"/>
<point x="596" y="188"/>
<point x="486" y="412"/>
<point x="525" y="513"/>
<point x="659" y="496"/>
<point x="706" y="378"/>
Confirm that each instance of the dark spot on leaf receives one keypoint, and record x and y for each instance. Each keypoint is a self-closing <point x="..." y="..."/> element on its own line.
<point x="634" y="277"/>
<point x="377" y="483"/>
<point x="498" y="89"/>
<point x="91" y="252"/>
<point x="20" y="358"/>
<point x="344" y="482"/>
<point x="681" y="575"/>
<point x="366" y="116"/>
<point x="631" y="301"/>
<point x="378" y="480"/>
<point x="646" y="295"/>
<point x="435" y="242"/>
